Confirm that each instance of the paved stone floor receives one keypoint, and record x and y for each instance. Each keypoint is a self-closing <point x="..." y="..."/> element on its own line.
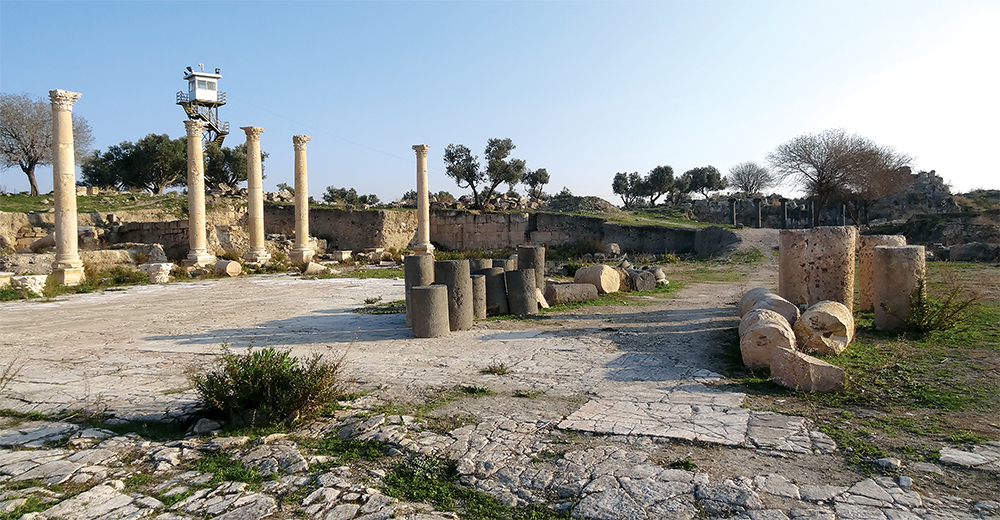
<point x="608" y="396"/>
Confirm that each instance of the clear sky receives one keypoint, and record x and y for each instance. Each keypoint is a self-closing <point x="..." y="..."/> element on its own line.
<point x="584" y="89"/>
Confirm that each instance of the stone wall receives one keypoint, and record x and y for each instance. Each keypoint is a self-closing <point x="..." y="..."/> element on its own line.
<point x="649" y="239"/>
<point x="345" y="229"/>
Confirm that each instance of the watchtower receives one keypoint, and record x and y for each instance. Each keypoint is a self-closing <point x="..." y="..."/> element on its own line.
<point x="202" y="101"/>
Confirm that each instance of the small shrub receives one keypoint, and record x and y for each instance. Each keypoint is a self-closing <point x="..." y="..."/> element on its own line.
<point x="476" y="390"/>
<point x="930" y="314"/>
<point x="229" y="255"/>
<point x="373" y="300"/>
<point x="684" y="464"/>
<point x="496" y="368"/>
<point x="669" y="258"/>
<point x="265" y="386"/>
<point x="9" y="372"/>
<point x="8" y="294"/>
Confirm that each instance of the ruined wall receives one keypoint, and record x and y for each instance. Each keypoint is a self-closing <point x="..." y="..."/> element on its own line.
<point x="649" y="239"/>
<point x="558" y="229"/>
<point x="344" y="229"/>
<point x="464" y="230"/>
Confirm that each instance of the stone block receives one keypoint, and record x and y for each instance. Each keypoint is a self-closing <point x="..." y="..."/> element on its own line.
<point x="758" y="342"/>
<point x="228" y="268"/>
<point x="5" y="278"/>
<point x="28" y="284"/>
<point x="825" y="328"/>
<point x="761" y="298"/>
<point x="866" y="265"/>
<point x="557" y="293"/>
<point x="340" y="255"/>
<point x="898" y="271"/>
<point x="157" y="272"/>
<point x="603" y="277"/>
<point x="804" y="373"/>
<point x="817" y="264"/>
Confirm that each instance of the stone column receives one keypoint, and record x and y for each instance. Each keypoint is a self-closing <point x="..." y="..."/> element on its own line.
<point x="198" y="254"/>
<point x="455" y="275"/>
<point x="533" y="257"/>
<point x="423" y="244"/>
<point x="522" y="298"/>
<point x="756" y="207"/>
<point x="898" y="269"/>
<point x="430" y="311"/>
<point x="817" y="264"/>
<point x="257" y="254"/>
<point x="866" y="265"/>
<point x="784" y="213"/>
<point x="67" y="268"/>
<point x="732" y="212"/>
<point x="418" y="270"/>
<point x="301" y="253"/>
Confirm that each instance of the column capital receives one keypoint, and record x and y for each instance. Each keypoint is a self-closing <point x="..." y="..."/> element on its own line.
<point x="194" y="127"/>
<point x="421" y="150"/>
<point x="253" y="132"/>
<point x="300" y="141"/>
<point x="63" y="99"/>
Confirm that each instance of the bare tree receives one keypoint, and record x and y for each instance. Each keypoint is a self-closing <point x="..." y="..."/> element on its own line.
<point x="885" y="174"/>
<point x="823" y="164"/>
<point x="751" y="178"/>
<point x="26" y="134"/>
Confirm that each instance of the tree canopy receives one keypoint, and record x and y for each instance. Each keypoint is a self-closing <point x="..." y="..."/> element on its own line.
<point x="536" y="180"/>
<point x="826" y="164"/>
<point x="350" y="196"/>
<point x="152" y="163"/>
<point x="26" y="134"/>
<point x="227" y="166"/>
<point x="750" y="178"/>
<point x="704" y="180"/>
<point x="464" y="167"/>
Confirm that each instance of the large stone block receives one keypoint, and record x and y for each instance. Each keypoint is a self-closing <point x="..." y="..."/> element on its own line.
<point x="866" y="265"/>
<point x="898" y="271"/>
<point x="762" y="298"/>
<point x="804" y="373"/>
<point x="603" y="277"/>
<point x="817" y="264"/>
<point x="758" y="342"/>
<point x="825" y="328"/>
<point x="557" y="293"/>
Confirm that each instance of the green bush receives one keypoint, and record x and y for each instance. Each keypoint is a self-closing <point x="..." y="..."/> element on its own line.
<point x="265" y="386"/>
<point x="930" y="314"/>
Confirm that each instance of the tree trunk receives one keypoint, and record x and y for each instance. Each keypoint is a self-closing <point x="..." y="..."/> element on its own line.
<point x="29" y="170"/>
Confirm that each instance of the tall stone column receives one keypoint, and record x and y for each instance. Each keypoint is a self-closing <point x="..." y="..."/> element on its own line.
<point x="67" y="268"/>
<point x="423" y="245"/>
<point x="257" y="254"/>
<point x="301" y="253"/>
<point x="198" y="254"/>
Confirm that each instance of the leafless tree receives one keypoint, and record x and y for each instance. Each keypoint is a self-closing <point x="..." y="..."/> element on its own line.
<point x="26" y="134"/>
<point x="824" y="164"/>
<point x="886" y="174"/>
<point x="751" y="178"/>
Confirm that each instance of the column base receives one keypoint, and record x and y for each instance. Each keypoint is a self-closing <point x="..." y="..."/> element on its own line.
<point x="423" y="249"/>
<point x="69" y="275"/>
<point x="301" y="256"/>
<point x="257" y="256"/>
<point x="198" y="259"/>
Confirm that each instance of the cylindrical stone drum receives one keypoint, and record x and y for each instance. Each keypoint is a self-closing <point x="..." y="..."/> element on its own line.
<point x="479" y="296"/>
<point x="521" y="291"/>
<point x="508" y="264"/>
<point x="417" y="270"/>
<point x="430" y="311"/>
<point x="496" y="292"/>
<point x="533" y="257"/>
<point x="898" y="270"/>
<point x="478" y="264"/>
<point x="455" y="275"/>
<point x="866" y="265"/>
<point x="817" y="265"/>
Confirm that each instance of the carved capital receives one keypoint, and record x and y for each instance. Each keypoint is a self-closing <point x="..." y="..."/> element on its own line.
<point x="253" y="132"/>
<point x="63" y="99"/>
<point x="300" y="141"/>
<point x="194" y="127"/>
<point x="421" y="150"/>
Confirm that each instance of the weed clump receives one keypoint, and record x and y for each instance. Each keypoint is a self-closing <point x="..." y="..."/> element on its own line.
<point x="265" y="386"/>
<point x="929" y="314"/>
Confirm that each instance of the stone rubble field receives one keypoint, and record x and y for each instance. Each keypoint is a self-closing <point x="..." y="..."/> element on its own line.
<point x="609" y="398"/>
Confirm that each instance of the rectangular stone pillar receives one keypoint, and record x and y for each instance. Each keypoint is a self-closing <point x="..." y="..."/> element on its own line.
<point x="301" y="253"/>
<point x="198" y="255"/>
<point x="67" y="268"/>
<point x="257" y="254"/>
<point x="866" y="265"/>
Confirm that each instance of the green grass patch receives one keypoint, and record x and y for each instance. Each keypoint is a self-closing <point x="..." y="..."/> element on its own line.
<point x="381" y="272"/>
<point x="31" y="505"/>
<point x="350" y="450"/>
<point x="619" y="298"/>
<point x="138" y="480"/>
<point x="8" y="294"/>
<point x="474" y="253"/>
<point x="378" y="307"/>
<point x="496" y="369"/>
<point x="425" y="479"/>
<point x="224" y="469"/>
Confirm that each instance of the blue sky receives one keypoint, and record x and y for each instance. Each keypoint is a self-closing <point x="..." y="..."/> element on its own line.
<point x="584" y="89"/>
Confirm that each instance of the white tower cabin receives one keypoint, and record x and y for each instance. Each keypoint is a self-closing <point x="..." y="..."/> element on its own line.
<point x="202" y="101"/>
